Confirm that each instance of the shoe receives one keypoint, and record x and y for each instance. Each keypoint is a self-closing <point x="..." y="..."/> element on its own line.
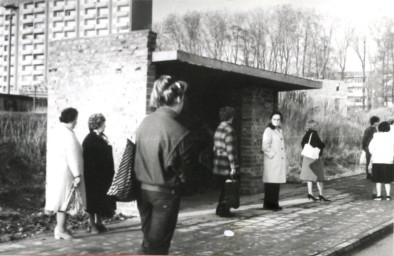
<point x="322" y="198"/>
<point x="373" y="196"/>
<point x="273" y="208"/>
<point x="62" y="235"/>
<point x="378" y="198"/>
<point x="311" y="197"/>
<point x="101" y="227"/>
<point x="93" y="229"/>
<point x="369" y="176"/>
<point x="388" y="198"/>
<point x="227" y="214"/>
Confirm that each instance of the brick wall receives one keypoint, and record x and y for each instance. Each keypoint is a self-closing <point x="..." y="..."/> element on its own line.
<point x="107" y="74"/>
<point x="257" y="106"/>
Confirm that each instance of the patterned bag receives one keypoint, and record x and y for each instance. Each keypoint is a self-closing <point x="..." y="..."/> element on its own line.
<point x="231" y="193"/>
<point x="125" y="186"/>
<point x="73" y="204"/>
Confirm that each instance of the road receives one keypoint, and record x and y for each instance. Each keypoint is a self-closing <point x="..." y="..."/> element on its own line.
<point x="383" y="247"/>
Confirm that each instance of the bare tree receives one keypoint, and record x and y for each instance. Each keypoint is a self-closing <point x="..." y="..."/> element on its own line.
<point x="360" y="47"/>
<point x="342" y="49"/>
<point x="192" y="24"/>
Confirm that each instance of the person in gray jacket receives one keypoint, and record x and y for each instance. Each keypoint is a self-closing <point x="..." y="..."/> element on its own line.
<point x="163" y="158"/>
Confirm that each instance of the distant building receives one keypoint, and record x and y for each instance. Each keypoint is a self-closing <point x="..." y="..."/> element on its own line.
<point x="35" y="23"/>
<point x="355" y="95"/>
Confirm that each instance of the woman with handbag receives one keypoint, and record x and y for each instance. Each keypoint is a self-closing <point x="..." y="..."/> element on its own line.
<point x="275" y="162"/>
<point x="99" y="172"/>
<point x="225" y="157"/>
<point x="312" y="165"/>
<point x="64" y="170"/>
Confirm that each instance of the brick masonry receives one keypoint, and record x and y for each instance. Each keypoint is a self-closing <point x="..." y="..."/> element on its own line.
<point x="107" y="75"/>
<point x="257" y="106"/>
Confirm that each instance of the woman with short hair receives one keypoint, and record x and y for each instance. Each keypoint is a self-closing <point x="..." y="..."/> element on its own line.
<point x="225" y="159"/>
<point x="275" y="162"/>
<point x="99" y="172"/>
<point x="382" y="151"/>
<point x="312" y="169"/>
<point x="64" y="170"/>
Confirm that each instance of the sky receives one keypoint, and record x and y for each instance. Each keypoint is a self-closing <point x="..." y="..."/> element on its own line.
<point x="358" y="13"/>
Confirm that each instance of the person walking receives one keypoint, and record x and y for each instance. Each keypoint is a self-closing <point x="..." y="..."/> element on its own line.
<point x="225" y="159"/>
<point x="275" y="162"/>
<point x="368" y="135"/>
<point x="312" y="169"/>
<point x="64" y="170"/>
<point x="163" y="158"/>
<point x="99" y="172"/>
<point x="381" y="148"/>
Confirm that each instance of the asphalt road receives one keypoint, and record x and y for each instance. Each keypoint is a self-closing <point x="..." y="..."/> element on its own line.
<point x="383" y="247"/>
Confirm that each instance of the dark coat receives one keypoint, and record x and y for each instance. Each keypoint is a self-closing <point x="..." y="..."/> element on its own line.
<point x="315" y="140"/>
<point x="368" y="135"/>
<point x="99" y="172"/>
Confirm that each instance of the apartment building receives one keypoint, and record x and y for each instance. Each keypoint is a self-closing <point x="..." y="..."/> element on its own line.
<point x="37" y="22"/>
<point x="355" y="95"/>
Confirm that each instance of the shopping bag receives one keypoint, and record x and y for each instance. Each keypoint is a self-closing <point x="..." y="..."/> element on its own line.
<point x="363" y="158"/>
<point x="125" y="186"/>
<point x="310" y="151"/>
<point x="231" y="193"/>
<point x="73" y="203"/>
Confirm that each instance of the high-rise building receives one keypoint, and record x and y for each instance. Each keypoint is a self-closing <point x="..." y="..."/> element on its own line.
<point x="37" y="22"/>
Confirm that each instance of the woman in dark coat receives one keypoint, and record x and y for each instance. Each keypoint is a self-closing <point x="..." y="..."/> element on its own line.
<point x="312" y="169"/>
<point x="99" y="172"/>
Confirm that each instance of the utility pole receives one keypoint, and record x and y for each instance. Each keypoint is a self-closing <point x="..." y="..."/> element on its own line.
<point x="12" y="8"/>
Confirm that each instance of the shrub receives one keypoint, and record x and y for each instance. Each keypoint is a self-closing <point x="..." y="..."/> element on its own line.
<point x="24" y="135"/>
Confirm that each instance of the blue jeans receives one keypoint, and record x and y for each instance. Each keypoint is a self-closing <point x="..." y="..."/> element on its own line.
<point x="159" y="215"/>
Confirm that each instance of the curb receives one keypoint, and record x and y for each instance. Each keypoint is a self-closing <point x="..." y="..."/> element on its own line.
<point x="360" y="240"/>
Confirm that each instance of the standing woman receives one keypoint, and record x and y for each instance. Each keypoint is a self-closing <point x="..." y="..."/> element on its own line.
<point x="382" y="151"/>
<point x="225" y="160"/>
<point x="99" y="172"/>
<point x="275" y="162"/>
<point x="64" y="170"/>
<point x="312" y="169"/>
<point x="163" y="158"/>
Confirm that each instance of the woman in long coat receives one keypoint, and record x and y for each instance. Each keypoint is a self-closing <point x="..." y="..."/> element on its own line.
<point x="99" y="172"/>
<point x="312" y="169"/>
<point x="275" y="162"/>
<point x="64" y="170"/>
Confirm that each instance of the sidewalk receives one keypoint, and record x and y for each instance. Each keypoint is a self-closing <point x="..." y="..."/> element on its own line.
<point x="302" y="228"/>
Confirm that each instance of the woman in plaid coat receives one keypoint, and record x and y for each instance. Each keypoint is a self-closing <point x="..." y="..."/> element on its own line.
<point x="225" y="161"/>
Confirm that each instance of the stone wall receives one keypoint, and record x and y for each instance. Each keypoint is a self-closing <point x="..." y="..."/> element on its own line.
<point x="107" y="75"/>
<point x="257" y="106"/>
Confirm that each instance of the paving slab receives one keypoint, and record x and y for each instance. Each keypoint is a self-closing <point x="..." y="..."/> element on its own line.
<point x="302" y="228"/>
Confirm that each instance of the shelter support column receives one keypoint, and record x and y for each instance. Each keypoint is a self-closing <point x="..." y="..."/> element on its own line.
<point x="257" y="106"/>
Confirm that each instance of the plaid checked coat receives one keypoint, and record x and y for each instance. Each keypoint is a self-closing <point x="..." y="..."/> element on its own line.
<point x="225" y="155"/>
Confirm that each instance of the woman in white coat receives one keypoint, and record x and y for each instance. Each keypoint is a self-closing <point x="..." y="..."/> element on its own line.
<point x="64" y="170"/>
<point x="382" y="151"/>
<point x="275" y="162"/>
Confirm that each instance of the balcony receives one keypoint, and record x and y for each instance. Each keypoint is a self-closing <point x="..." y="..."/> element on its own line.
<point x="39" y="40"/>
<point x="56" y="18"/>
<point x="39" y="51"/>
<point x="39" y="9"/>
<point x="89" y="5"/>
<point x="39" y="19"/>
<point x="39" y="30"/>
<point x="27" y="30"/>
<point x="102" y="4"/>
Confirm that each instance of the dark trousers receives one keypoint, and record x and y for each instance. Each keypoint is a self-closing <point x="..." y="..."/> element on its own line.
<point x="159" y="215"/>
<point x="368" y="157"/>
<point x="271" y="195"/>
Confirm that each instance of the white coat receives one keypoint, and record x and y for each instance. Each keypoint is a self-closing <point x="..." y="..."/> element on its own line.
<point x="275" y="161"/>
<point x="381" y="148"/>
<point x="64" y="162"/>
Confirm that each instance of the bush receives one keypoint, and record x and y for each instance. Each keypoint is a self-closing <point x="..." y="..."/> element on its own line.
<point x="24" y="136"/>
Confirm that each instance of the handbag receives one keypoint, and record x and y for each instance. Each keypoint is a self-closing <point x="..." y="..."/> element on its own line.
<point x="363" y="158"/>
<point x="309" y="151"/>
<point x="231" y="193"/>
<point x="73" y="203"/>
<point x="125" y="186"/>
